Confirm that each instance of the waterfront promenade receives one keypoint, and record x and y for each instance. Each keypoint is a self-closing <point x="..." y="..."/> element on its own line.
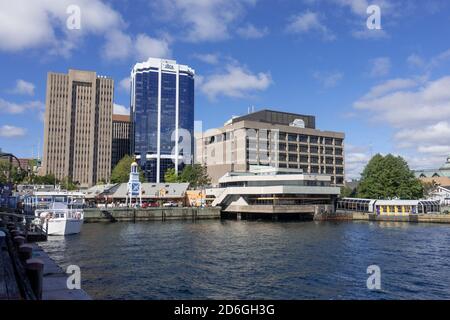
<point x="26" y="271"/>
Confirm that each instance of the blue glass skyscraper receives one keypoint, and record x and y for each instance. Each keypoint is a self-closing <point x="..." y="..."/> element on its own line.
<point x="162" y="113"/>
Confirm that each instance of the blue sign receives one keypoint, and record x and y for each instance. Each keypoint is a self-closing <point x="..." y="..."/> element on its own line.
<point x="135" y="188"/>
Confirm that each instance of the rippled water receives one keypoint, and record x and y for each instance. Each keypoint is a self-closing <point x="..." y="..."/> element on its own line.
<point x="258" y="260"/>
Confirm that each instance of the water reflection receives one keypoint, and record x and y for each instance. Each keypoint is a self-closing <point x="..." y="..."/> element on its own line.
<point x="257" y="260"/>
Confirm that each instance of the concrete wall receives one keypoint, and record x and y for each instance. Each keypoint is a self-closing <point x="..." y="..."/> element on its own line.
<point x="427" y="218"/>
<point x="150" y="214"/>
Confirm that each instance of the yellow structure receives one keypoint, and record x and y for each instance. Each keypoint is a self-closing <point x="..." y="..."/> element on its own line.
<point x="195" y="198"/>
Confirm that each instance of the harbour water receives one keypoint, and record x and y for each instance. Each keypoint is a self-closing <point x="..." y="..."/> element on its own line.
<point x="258" y="260"/>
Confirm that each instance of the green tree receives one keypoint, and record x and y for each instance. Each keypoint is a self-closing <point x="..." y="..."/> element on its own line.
<point x="170" y="176"/>
<point x="348" y="192"/>
<point x="389" y="177"/>
<point x="196" y="175"/>
<point x="68" y="184"/>
<point x="47" y="179"/>
<point x="4" y="171"/>
<point x="121" y="171"/>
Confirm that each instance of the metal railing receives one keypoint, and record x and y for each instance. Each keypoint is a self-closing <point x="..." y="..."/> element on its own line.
<point x="59" y="214"/>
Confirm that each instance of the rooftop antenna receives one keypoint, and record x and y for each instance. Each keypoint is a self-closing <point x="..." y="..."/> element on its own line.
<point x="248" y="110"/>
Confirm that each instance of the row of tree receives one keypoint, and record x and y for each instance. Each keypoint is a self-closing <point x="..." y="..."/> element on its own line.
<point x="12" y="174"/>
<point x="196" y="175"/>
<point x="387" y="177"/>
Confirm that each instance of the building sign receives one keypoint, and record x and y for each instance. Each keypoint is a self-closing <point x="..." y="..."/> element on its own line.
<point x="168" y="66"/>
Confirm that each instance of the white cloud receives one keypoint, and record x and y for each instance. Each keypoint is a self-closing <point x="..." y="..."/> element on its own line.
<point x="426" y="104"/>
<point x="356" y="158"/>
<point x="418" y="110"/>
<point x="235" y="82"/>
<point x="23" y="87"/>
<point x="42" y="24"/>
<point x="118" y="45"/>
<point x="124" y="84"/>
<point x="328" y="80"/>
<point x="121" y="109"/>
<point x="17" y="108"/>
<point x="151" y="47"/>
<point x="389" y="86"/>
<point x="368" y="34"/>
<point x="202" y="20"/>
<point x="414" y="60"/>
<point x="380" y="67"/>
<point x="307" y="22"/>
<point x="436" y="134"/>
<point x="251" y="32"/>
<point x="7" y="131"/>
<point x="209" y="58"/>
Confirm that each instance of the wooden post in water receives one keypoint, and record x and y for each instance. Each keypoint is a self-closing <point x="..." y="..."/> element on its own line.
<point x="35" y="272"/>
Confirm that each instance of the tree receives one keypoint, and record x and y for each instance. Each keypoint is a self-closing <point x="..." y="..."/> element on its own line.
<point x="348" y="192"/>
<point x="170" y="176"/>
<point x="389" y="177"/>
<point x="121" y="171"/>
<point x="68" y="184"/>
<point x="429" y="187"/>
<point x="196" y="175"/>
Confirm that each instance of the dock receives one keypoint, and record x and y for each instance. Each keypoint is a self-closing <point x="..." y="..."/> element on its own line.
<point x="26" y="271"/>
<point x="150" y="214"/>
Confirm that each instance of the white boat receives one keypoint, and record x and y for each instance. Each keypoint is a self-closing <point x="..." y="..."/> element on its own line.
<point x="60" y="220"/>
<point x="60" y="213"/>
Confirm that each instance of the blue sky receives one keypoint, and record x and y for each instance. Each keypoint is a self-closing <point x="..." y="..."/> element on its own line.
<point x="388" y="89"/>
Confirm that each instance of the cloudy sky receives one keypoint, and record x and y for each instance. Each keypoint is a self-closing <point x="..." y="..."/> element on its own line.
<point x="388" y="89"/>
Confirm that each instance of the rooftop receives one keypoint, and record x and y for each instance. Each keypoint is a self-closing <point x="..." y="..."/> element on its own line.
<point x="121" y="117"/>
<point x="277" y="117"/>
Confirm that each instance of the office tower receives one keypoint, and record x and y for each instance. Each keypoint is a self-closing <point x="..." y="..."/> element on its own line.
<point x="162" y="111"/>
<point x="78" y="125"/>
<point x="120" y="138"/>
<point x="272" y="138"/>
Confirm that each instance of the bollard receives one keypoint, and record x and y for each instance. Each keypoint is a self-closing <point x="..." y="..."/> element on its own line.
<point x="2" y="238"/>
<point x="25" y="252"/>
<point x="35" y="272"/>
<point x="18" y="241"/>
<point x="16" y="233"/>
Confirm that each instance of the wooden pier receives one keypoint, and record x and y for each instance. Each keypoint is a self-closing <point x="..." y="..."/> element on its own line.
<point x="26" y="271"/>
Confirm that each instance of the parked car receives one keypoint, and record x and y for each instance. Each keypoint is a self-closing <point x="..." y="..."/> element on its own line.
<point x="170" y="204"/>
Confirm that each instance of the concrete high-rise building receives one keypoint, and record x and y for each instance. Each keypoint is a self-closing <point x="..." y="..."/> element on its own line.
<point x="78" y="126"/>
<point x="120" y="138"/>
<point x="272" y="138"/>
<point x="162" y="110"/>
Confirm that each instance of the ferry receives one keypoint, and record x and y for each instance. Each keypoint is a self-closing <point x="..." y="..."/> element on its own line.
<point x="58" y="212"/>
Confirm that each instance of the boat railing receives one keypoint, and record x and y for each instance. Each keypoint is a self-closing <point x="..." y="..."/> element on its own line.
<point x="59" y="214"/>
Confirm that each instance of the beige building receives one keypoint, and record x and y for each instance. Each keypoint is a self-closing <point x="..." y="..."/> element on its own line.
<point x="78" y="127"/>
<point x="120" y="138"/>
<point x="271" y="138"/>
